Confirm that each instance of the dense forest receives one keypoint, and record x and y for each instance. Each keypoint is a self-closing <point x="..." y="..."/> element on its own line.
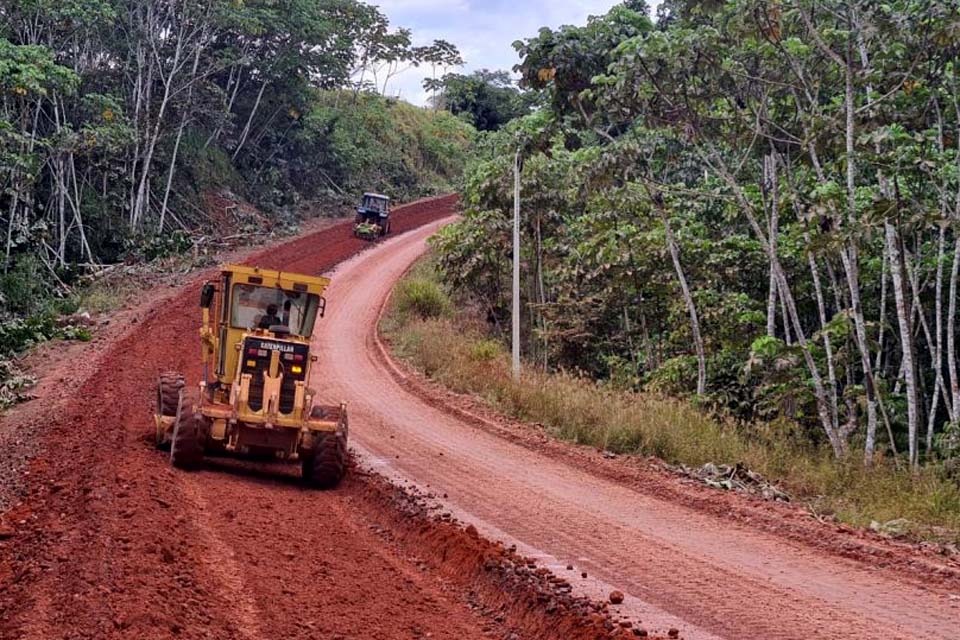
<point x="754" y="203"/>
<point x="118" y="118"/>
<point x="751" y="203"/>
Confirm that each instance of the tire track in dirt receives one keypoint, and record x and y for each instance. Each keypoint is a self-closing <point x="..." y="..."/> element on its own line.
<point x="220" y="560"/>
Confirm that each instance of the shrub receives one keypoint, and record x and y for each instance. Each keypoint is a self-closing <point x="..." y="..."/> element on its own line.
<point x="422" y="298"/>
<point x="13" y="384"/>
<point x="485" y="350"/>
<point x="24" y="287"/>
<point x="18" y="334"/>
<point x="163" y="246"/>
<point x="676" y="376"/>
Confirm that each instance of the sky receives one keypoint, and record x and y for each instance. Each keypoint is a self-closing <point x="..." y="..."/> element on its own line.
<point x="483" y="30"/>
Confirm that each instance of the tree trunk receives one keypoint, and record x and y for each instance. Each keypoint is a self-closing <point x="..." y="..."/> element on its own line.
<point x="883" y="312"/>
<point x="246" y="127"/>
<point x="714" y="160"/>
<point x="142" y="200"/>
<point x="657" y="200"/>
<point x="849" y="260"/>
<point x="952" y="326"/>
<point x="176" y="144"/>
<point x="235" y="85"/>
<point x="906" y="336"/>
<point x="773" y="229"/>
<point x="78" y="215"/>
<point x="821" y="312"/>
<point x="827" y="346"/>
<point x="541" y="297"/>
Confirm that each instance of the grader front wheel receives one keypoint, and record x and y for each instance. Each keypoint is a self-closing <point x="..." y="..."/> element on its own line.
<point x="170" y="402"/>
<point x="326" y="466"/>
<point x="186" y="446"/>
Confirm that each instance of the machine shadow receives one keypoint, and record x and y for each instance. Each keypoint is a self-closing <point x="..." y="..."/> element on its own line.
<point x="260" y="472"/>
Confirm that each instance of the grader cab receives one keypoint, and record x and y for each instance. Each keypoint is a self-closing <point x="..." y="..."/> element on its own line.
<point x="253" y="398"/>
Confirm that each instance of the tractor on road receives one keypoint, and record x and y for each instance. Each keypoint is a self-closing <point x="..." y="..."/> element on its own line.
<point x="255" y="400"/>
<point x="373" y="217"/>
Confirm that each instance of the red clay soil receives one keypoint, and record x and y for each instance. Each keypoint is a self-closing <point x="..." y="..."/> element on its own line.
<point x="110" y="542"/>
<point x="500" y="584"/>
<point x="712" y="564"/>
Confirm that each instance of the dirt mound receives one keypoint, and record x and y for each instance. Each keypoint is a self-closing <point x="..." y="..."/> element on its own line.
<point x="230" y="214"/>
<point x="503" y="585"/>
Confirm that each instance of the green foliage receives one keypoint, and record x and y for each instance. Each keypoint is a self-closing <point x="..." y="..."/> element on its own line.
<point x="38" y="318"/>
<point x="24" y="287"/>
<point x="14" y="384"/>
<point x="487" y="99"/>
<point x="948" y="442"/>
<point x="687" y="187"/>
<point x="676" y="376"/>
<point x="367" y="142"/>
<point x="171" y="244"/>
<point x="30" y="70"/>
<point x="485" y="350"/>
<point x="421" y="298"/>
<point x="208" y="167"/>
<point x="568" y="59"/>
<point x="18" y="334"/>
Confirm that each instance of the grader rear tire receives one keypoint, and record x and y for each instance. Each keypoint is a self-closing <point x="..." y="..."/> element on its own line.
<point x="325" y="468"/>
<point x="169" y="393"/>
<point x="186" y="447"/>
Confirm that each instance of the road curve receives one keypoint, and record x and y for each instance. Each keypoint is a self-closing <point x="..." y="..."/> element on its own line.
<point x="679" y="567"/>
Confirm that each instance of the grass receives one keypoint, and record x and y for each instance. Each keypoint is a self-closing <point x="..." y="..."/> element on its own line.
<point x="451" y="348"/>
<point x="105" y="297"/>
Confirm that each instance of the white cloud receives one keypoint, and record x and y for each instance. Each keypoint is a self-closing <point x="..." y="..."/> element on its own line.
<point x="483" y="31"/>
<point x="394" y="6"/>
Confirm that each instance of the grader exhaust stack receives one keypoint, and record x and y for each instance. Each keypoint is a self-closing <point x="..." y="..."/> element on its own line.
<point x="253" y="397"/>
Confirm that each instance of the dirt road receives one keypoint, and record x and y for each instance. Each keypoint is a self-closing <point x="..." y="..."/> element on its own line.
<point x="110" y="542"/>
<point x="685" y="567"/>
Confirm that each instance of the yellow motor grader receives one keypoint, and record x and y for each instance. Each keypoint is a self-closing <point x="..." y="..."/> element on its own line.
<point x="255" y="401"/>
